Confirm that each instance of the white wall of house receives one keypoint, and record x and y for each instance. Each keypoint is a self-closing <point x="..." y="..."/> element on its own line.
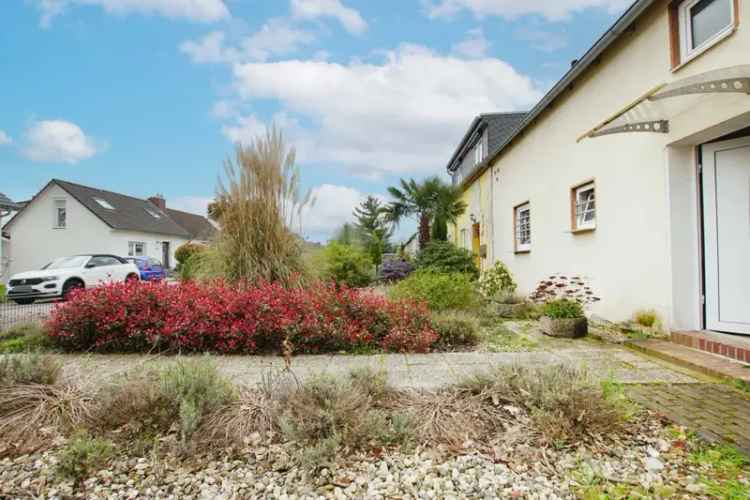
<point x="645" y="250"/>
<point x="35" y="241"/>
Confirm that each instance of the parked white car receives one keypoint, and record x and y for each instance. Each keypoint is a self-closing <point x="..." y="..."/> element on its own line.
<point x="58" y="278"/>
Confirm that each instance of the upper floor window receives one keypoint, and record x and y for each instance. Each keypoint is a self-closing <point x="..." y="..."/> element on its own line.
<point x="60" y="214"/>
<point x="104" y="203"/>
<point x="584" y="207"/>
<point x="479" y="152"/>
<point x="701" y="24"/>
<point x="522" y="223"/>
<point x="152" y="213"/>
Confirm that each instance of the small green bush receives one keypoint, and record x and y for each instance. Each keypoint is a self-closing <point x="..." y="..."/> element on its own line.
<point x="648" y="318"/>
<point x="196" y="388"/>
<point x="82" y="456"/>
<point x="445" y="257"/>
<point x="562" y="309"/>
<point x="33" y="368"/>
<point x="455" y="331"/>
<point x="497" y="282"/>
<point x="3" y="294"/>
<point x="186" y="251"/>
<point x="347" y="265"/>
<point x="441" y="291"/>
<point x="23" y="338"/>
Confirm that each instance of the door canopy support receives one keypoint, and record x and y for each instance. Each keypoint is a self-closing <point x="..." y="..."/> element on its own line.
<point x="653" y="110"/>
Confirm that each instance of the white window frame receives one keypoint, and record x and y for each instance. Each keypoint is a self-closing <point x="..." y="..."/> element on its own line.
<point x="152" y="213"/>
<point x="133" y="249"/>
<point x="479" y="151"/>
<point x="579" y="211"/>
<point x="464" y="238"/>
<point x="687" y="52"/>
<point x="60" y="203"/>
<point x="104" y="203"/>
<point x="521" y="246"/>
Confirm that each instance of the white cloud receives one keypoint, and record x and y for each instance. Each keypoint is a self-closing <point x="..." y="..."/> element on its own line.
<point x="194" y="10"/>
<point x="546" y="41"/>
<point x="244" y="130"/>
<point x="381" y="118"/>
<point x="274" y="38"/>
<point x="332" y="208"/>
<point x="554" y="10"/>
<point x="5" y="139"/>
<point x="474" y="46"/>
<point x="57" y="141"/>
<point x="192" y="204"/>
<point x="314" y="9"/>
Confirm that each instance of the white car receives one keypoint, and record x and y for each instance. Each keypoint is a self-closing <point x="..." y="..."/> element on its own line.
<point x="58" y="278"/>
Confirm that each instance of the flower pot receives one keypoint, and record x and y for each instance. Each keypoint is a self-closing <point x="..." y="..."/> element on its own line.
<point x="569" y="328"/>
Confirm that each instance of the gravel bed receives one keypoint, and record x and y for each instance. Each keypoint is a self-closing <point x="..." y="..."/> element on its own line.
<point x="645" y="458"/>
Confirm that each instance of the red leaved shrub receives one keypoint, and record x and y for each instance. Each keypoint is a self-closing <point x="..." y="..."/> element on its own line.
<point x="218" y="317"/>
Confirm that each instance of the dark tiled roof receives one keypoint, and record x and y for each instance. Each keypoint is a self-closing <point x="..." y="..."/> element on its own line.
<point x="499" y="126"/>
<point x="6" y="203"/>
<point x="131" y="214"/>
<point x="199" y="227"/>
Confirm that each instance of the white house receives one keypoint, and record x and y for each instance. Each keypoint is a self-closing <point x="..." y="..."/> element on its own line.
<point x="633" y="171"/>
<point x="67" y="219"/>
<point x="7" y="209"/>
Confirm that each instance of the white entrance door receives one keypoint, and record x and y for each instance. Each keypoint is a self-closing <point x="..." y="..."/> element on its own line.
<point x="726" y="187"/>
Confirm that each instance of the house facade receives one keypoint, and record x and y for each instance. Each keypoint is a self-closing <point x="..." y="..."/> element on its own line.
<point x="67" y="219"/>
<point x="634" y="170"/>
<point x="7" y="209"/>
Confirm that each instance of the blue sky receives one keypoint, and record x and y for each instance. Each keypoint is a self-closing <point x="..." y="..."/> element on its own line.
<point x="146" y="96"/>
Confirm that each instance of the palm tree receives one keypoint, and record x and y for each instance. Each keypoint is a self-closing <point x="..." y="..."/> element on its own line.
<point x="433" y="202"/>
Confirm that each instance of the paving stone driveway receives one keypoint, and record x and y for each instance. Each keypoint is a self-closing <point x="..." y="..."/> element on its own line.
<point x="715" y="411"/>
<point x="425" y="371"/>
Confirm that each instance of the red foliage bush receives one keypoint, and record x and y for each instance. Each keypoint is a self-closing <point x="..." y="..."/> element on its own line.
<point x="192" y="317"/>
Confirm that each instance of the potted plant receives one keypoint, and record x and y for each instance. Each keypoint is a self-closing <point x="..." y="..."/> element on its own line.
<point x="498" y="287"/>
<point x="564" y="299"/>
<point x="564" y="318"/>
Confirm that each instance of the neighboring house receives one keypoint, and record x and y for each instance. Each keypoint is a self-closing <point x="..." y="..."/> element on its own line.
<point x="634" y="170"/>
<point x="7" y="209"/>
<point x="485" y="137"/>
<point x="68" y="219"/>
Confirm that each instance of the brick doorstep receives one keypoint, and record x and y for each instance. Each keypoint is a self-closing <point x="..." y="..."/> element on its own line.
<point x="710" y="364"/>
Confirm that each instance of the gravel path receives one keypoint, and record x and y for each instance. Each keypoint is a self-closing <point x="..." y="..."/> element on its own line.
<point x="642" y="461"/>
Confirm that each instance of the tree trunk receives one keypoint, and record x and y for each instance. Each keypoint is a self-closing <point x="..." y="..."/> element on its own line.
<point x="424" y="231"/>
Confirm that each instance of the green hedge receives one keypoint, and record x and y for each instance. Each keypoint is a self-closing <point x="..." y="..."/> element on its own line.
<point x="441" y="291"/>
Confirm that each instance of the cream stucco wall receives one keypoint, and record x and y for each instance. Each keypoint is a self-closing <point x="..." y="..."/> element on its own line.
<point x="34" y="241"/>
<point x="645" y="251"/>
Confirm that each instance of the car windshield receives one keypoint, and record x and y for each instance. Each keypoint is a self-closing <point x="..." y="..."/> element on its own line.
<point x="67" y="262"/>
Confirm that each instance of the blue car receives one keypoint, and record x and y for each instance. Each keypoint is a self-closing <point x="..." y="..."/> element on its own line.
<point x="150" y="269"/>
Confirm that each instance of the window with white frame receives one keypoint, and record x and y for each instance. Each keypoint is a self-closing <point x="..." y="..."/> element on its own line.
<point x="702" y="23"/>
<point x="464" y="238"/>
<point x="104" y="203"/>
<point x="136" y="249"/>
<point x="60" y="220"/>
<point x="522" y="218"/>
<point x="584" y="207"/>
<point x="152" y="213"/>
<point x="479" y="151"/>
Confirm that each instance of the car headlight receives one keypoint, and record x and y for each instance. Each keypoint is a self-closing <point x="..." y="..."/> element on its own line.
<point x="49" y="278"/>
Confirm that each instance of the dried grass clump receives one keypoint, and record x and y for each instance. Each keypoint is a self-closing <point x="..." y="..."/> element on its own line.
<point x="29" y="368"/>
<point x="257" y="208"/>
<point x="32" y="416"/>
<point x="565" y="404"/>
<point x="237" y="423"/>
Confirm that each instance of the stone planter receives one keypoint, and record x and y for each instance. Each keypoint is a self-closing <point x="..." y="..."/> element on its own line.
<point x="509" y="311"/>
<point x="569" y="328"/>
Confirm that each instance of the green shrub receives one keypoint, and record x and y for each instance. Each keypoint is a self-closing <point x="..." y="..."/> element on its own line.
<point x="445" y="257"/>
<point x="33" y="368"/>
<point x="82" y="456"/>
<point x="23" y="338"/>
<point x="455" y="330"/>
<point x="347" y="265"/>
<point x="497" y="282"/>
<point x="562" y="309"/>
<point x="186" y="251"/>
<point x="441" y="291"/>
<point x="648" y="318"/>
<point x="196" y="388"/>
<point x="3" y="294"/>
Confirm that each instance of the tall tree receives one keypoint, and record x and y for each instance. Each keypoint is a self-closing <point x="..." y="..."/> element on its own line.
<point x="374" y="230"/>
<point x="432" y="202"/>
<point x="346" y="235"/>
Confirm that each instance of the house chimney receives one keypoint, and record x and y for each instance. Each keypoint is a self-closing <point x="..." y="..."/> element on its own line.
<point x="159" y="201"/>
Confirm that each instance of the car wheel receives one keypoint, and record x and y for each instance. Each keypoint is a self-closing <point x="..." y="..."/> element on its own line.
<point x="23" y="302"/>
<point x="132" y="278"/>
<point x="69" y="287"/>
